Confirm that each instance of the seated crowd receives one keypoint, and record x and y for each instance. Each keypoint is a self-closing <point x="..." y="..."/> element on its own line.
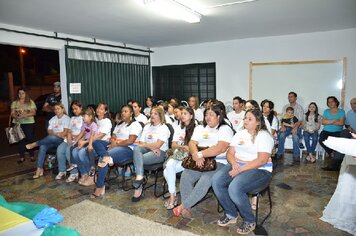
<point x="241" y="142"/>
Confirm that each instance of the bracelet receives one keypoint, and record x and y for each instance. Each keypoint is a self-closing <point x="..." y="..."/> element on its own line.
<point x="200" y="155"/>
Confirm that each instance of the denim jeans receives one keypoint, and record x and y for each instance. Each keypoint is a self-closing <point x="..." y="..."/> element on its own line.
<point x="194" y="185"/>
<point x="64" y="151"/>
<point x="232" y="192"/>
<point x="339" y="157"/>
<point x="314" y="140"/>
<point x="101" y="147"/>
<point x="48" y="142"/>
<point x="172" y="168"/>
<point x="84" y="159"/>
<point x="282" y="138"/>
<point x="144" y="156"/>
<point x="118" y="155"/>
<point x="28" y="130"/>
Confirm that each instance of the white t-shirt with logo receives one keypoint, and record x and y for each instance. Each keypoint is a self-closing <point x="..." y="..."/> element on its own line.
<point x="122" y="132"/>
<point x="207" y="137"/>
<point x="199" y="114"/>
<point x="76" y="123"/>
<point x="246" y="150"/>
<point x="151" y="134"/>
<point x="141" y="118"/>
<point x="104" y="126"/>
<point x="236" y="119"/>
<point x="179" y="135"/>
<point x="58" y="125"/>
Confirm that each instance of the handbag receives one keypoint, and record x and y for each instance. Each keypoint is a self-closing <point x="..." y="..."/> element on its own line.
<point x="179" y="154"/>
<point x="209" y="162"/>
<point x="14" y="134"/>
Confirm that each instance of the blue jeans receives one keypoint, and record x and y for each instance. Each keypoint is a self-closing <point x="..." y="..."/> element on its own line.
<point x="48" y="142"/>
<point x="282" y="138"/>
<point x="84" y="159"/>
<point x="118" y="155"/>
<point x="101" y="147"/>
<point x="64" y="151"/>
<point x="143" y="156"/>
<point x="232" y="192"/>
<point x="314" y="137"/>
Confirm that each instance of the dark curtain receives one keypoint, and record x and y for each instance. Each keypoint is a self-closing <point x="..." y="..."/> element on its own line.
<point x="106" y="76"/>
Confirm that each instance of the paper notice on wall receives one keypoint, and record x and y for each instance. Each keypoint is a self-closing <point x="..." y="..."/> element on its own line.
<point x="75" y="88"/>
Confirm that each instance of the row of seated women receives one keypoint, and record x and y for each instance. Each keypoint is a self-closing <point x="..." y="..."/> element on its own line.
<point x="243" y="159"/>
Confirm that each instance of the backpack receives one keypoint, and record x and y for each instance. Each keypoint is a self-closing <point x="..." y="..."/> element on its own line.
<point x="171" y="130"/>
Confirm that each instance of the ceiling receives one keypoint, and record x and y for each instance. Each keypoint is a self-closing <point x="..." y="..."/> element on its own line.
<point x="129" y="21"/>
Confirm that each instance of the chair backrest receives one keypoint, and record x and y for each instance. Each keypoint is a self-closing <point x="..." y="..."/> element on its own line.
<point x="171" y="130"/>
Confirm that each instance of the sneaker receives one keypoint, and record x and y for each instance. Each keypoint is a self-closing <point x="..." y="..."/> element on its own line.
<point x="246" y="228"/>
<point x="225" y="221"/>
<point x="92" y="171"/>
<point x="72" y="167"/>
<point x="72" y="177"/>
<point x="301" y="146"/>
<point x="127" y="174"/>
<point x="60" y="175"/>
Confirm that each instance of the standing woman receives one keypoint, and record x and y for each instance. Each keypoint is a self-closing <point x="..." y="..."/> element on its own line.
<point x="194" y="104"/>
<point x="23" y="110"/>
<point x="181" y="138"/>
<point x="57" y="131"/>
<point x="333" y="122"/>
<point x="151" y="148"/>
<point x="64" y="149"/>
<point x="249" y="169"/>
<point x="125" y="136"/>
<point x="216" y="135"/>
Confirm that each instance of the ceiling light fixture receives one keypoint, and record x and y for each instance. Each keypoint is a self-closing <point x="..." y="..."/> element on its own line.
<point x="174" y="9"/>
<point x="230" y="3"/>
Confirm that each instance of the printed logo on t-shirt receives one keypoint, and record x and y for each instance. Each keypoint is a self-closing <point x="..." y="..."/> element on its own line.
<point x="149" y="136"/>
<point x="87" y="129"/>
<point x="205" y="136"/>
<point x="237" y="121"/>
<point x="241" y="141"/>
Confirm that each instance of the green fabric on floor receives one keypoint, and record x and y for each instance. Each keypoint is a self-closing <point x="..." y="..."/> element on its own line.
<point x="56" y="230"/>
<point x="25" y="209"/>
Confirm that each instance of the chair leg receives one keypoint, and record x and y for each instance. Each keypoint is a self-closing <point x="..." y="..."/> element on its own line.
<point x="270" y="206"/>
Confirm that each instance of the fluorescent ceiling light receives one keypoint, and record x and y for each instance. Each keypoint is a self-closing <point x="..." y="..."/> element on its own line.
<point x="174" y="9"/>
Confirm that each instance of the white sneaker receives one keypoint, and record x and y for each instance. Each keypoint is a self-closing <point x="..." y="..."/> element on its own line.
<point x="72" y="177"/>
<point x="60" y="175"/>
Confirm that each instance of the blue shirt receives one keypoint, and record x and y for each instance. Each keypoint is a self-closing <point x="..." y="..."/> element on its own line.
<point x="333" y="128"/>
<point x="351" y="119"/>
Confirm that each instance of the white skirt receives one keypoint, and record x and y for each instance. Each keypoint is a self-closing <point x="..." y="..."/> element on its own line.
<point x="341" y="209"/>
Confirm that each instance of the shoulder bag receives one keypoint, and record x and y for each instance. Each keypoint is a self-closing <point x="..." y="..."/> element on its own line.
<point x="209" y="162"/>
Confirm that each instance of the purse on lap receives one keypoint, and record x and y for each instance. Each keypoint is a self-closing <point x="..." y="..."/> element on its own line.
<point x="209" y="162"/>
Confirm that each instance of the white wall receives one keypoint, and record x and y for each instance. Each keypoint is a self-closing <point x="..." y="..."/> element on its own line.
<point x="233" y="57"/>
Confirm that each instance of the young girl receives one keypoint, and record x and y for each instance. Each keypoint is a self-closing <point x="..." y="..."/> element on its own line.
<point x="149" y="103"/>
<point x="311" y="126"/>
<point x="64" y="149"/>
<point x="181" y="138"/>
<point x="57" y="131"/>
<point x="194" y="104"/>
<point x="88" y="130"/>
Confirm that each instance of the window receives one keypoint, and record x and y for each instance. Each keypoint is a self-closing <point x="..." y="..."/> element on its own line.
<point x="182" y="81"/>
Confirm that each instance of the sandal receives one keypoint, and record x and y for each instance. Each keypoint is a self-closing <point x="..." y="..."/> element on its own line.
<point x="246" y="228"/>
<point x="138" y="183"/>
<point x="176" y="211"/>
<point x="186" y="214"/>
<point x="253" y="206"/>
<point x="98" y="195"/>
<point x="170" y="205"/>
<point x="106" y="160"/>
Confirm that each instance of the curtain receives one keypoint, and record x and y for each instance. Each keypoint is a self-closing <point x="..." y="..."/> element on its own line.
<point x="107" y="76"/>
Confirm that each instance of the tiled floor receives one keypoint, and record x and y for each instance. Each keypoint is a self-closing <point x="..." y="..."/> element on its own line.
<point x="296" y="211"/>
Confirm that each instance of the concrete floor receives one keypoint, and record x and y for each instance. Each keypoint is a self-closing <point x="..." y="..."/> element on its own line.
<point x="296" y="210"/>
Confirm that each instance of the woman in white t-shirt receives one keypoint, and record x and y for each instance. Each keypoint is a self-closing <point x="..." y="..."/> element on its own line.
<point x="181" y="138"/>
<point x="120" y="148"/>
<point x="64" y="149"/>
<point x="57" y="131"/>
<point x="150" y="102"/>
<point x="249" y="170"/>
<point x="198" y="112"/>
<point x="151" y="148"/>
<point x="216" y="135"/>
<point x="86" y="160"/>
<point x="269" y="115"/>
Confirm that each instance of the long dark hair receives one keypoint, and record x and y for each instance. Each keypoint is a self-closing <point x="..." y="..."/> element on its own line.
<point x="27" y="96"/>
<point x="132" y="116"/>
<point x="271" y="107"/>
<point x="316" y="115"/>
<point x="189" y="129"/>
<point x="219" y="111"/>
<point x="259" y="118"/>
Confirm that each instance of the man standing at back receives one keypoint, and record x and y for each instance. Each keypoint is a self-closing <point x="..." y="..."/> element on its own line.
<point x="51" y="100"/>
<point x="296" y="131"/>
